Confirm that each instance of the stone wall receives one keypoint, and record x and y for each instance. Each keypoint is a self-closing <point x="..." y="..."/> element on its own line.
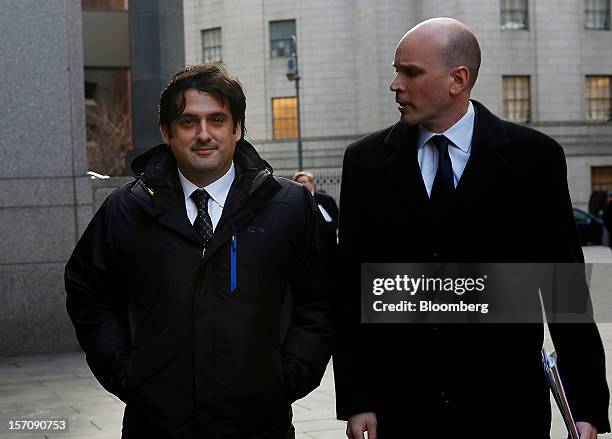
<point x="45" y="200"/>
<point x="345" y="53"/>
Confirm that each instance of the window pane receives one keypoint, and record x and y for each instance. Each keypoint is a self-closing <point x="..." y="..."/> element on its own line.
<point x="598" y="98"/>
<point x="513" y="14"/>
<point x="280" y="38"/>
<point x="601" y="178"/>
<point x="517" y="100"/>
<point x="104" y="5"/>
<point x="597" y="14"/>
<point x="284" y="118"/>
<point x="211" y="45"/>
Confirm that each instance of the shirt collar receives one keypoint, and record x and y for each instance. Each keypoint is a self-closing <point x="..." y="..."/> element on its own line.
<point x="217" y="190"/>
<point x="460" y="134"/>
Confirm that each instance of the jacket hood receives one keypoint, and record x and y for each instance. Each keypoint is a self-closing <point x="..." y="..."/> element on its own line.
<point x="159" y="160"/>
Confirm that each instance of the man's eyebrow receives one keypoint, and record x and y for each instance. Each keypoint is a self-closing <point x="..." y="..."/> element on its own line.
<point x="218" y="114"/>
<point x="409" y="66"/>
<point x="187" y="116"/>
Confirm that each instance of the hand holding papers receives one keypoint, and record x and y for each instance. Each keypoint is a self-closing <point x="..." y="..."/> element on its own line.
<point x="556" y="387"/>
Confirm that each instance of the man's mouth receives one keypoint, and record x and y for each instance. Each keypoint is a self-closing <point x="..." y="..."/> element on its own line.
<point x="203" y="150"/>
<point x="401" y="104"/>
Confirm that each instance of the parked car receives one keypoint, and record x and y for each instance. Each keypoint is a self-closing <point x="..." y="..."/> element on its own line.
<point x="598" y="202"/>
<point x="590" y="228"/>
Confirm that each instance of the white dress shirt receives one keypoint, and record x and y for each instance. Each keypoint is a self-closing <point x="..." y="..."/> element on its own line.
<point x="217" y="190"/>
<point x="459" y="148"/>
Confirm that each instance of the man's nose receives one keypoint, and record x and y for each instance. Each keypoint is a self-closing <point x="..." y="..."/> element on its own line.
<point x="395" y="85"/>
<point x="202" y="132"/>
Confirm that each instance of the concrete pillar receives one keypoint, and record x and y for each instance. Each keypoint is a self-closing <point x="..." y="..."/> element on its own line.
<point x="157" y="46"/>
<point x="45" y="198"/>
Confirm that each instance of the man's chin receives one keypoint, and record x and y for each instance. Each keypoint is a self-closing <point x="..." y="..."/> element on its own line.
<point x="407" y="119"/>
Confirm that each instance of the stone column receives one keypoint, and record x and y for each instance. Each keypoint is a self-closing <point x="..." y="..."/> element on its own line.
<point x="157" y="46"/>
<point x="45" y="198"/>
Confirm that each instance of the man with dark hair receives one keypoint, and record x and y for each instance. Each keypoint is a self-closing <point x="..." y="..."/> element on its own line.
<point x="451" y="182"/>
<point x="198" y="291"/>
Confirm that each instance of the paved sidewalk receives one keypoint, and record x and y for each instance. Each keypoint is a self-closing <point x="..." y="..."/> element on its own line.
<point x="61" y="385"/>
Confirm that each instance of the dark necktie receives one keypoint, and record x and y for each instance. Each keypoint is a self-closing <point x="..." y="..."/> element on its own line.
<point x="443" y="184"/>
<point x="202" y="223"/>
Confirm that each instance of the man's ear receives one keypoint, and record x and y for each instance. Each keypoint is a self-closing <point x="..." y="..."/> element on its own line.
<point x="460" y="77"/>
<point x="238" y="132"/>
<point x="165" y="133"/>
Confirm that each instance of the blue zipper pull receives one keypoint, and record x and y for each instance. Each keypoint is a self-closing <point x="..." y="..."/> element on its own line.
<point x="233" y="250"/>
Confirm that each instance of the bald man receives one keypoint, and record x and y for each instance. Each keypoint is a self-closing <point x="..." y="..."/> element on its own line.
<point x="451" y="182"/>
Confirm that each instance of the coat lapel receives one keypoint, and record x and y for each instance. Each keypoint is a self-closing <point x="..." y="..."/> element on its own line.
<point x="402" y="163"/>
<point x="160" y="193"/>
<point x="173" y="214"/>
<point x="485" y="162"/>
<point x="250" y="191"/>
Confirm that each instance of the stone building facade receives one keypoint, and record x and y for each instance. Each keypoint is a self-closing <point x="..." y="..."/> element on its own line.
<point x="546" y="63"/>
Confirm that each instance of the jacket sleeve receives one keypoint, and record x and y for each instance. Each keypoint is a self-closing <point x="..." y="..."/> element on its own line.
<point x="580" y="352"/>
<point x="95" y="306"/>
<point x="307" y="345"/>
<point x="352" y="342"/>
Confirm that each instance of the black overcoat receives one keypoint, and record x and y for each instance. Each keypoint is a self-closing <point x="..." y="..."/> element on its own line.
<point x="511" y="205"/>
<point x="196" y="346"/>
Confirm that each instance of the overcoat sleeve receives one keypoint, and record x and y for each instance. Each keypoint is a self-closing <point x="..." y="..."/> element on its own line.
<point x="96" y="306"/>
<point x="307" y="345"/>
<point x="353" y="345"/>
<point x="580" y="352"/>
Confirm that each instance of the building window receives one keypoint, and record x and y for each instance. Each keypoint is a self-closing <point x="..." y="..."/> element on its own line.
<point x="513" y="14"/>
<point x="108" y="119"/>
<point x="601" y="178"/>
<point x="599" y="97"/>
<point x="597" y="14"/>
<point x="280" y="38"/>
<point x="211" y="45"/>
<point x="104" y="5"/>
<point x="284" y="118"/>
<point x="517" y="98"/>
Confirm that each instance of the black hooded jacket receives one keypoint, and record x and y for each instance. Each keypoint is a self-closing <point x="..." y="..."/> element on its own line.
<point x="212" y="347"/>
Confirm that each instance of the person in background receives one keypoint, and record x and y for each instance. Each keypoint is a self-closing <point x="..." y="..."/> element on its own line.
<point x="327" y="205"/>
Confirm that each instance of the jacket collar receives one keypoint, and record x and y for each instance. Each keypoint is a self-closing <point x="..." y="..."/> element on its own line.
<point x="402" y="164"/>
<point x="484" y="164"/>
<point x="158" y="191"/>
<point x="485" y="160"/>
